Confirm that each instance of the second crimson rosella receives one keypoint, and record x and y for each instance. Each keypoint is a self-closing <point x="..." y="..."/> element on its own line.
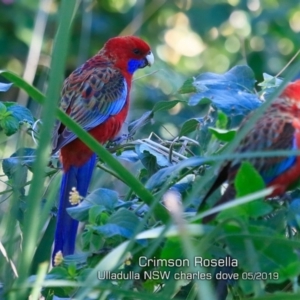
<point x="277" y="129"/>
<point x="95" y="95"/>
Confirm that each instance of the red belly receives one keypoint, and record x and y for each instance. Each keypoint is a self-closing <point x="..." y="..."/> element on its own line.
<point x="76" y="153"/>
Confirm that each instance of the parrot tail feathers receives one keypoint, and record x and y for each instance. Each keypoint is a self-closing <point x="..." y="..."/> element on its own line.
<point x="75" y="183"/>
<point x="221" y="178"/>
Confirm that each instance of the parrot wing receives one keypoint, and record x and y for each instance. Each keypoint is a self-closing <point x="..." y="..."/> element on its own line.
<point x="271" y="133"/>
<point x="90" y="96"/>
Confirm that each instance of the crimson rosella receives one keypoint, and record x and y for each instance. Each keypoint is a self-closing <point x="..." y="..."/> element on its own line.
<point x="95" y="95"/>
<point x="277" y="129"/>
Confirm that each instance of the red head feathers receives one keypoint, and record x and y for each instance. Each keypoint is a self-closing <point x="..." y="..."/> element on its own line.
<point x="292" y="90"/>
<point x="129" y="53"/>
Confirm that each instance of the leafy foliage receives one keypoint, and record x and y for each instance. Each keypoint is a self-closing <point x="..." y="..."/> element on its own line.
<point x="232" y="92"/>
<point x="131" y="217"/>
<point x="12" y="115"/>
<point x="99" y="200"/>
<point x="5" y="86"/>
<point x="119" y="222"/>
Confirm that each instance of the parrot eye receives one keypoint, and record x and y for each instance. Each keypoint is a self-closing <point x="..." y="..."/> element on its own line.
<point x="136" y="51"/>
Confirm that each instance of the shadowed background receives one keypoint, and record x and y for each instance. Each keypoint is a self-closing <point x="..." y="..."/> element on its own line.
<point x="187" y="37"/>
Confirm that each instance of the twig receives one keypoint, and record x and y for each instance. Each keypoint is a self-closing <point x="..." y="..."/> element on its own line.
<point x="291" y="60"/>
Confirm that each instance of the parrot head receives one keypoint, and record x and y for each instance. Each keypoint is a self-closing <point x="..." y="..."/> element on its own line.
<point x="292" y="91"/>
<point x="128" y="52"/>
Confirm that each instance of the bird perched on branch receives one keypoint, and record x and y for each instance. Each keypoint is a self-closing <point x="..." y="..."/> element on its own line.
<point x="96" y="96"/>
<point x="277" y="129"/>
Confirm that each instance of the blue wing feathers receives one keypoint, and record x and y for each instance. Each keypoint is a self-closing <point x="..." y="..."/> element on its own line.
<point x="102" y="94"/>
<point x="280" y="168"/>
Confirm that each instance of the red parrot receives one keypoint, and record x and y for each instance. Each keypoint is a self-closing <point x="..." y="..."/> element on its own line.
<point x="95" y="95"/>
<point x="277" y="129"/>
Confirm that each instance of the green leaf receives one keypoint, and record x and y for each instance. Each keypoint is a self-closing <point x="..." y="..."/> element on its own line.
<point x="23" y="156"/>
<point x="270" y="81"/>
<point x="172" y="249"/>
<point x="232" y="93"/>
<point x="266" y="242"/>
<point x="188" y="127"/>
<point x="204" y="101"/>
<point x="16" y="166"/>
<point x="3" y="110"/>
<point x="9" y="124"/>
<point x="223" y="134"/>
<point x="95" y="213"/>
<point x="151" y="159"/>
<point x="161" y="177"/>
<point x="91" y="241"/>
<point x="165" y="105"/>
<point x="279" y="296"/>
<point x="11" y="115"/>
<point x="167" y="174"/>
<point x="161" y="159"/>
<point x="248" y="181"/>
<point x="187" y="87"/>
<point x="269" y="85"/>
<point x="5" y="86"/>
<point x="21" y="113"/>
<point x="104" y="198"/>
<point x="222" y="120"/>
<point x="58" y="273"/>
<point x="72" y="270"/>
<point x="122" y="223"/>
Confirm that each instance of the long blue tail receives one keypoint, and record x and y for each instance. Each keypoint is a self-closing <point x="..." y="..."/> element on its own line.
<point x="66" y="227"/>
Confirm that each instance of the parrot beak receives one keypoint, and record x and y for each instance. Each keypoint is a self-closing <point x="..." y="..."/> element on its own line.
<point x="150" y="58"/>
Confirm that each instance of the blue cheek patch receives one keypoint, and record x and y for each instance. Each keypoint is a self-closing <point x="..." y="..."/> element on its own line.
<point x="135" y="64"/>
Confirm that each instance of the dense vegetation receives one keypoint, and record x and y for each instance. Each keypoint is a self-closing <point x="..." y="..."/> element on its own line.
<point x="212" y="64"/>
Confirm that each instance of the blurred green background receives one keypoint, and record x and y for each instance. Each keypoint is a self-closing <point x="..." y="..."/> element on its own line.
<point x="188" y="37"/>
